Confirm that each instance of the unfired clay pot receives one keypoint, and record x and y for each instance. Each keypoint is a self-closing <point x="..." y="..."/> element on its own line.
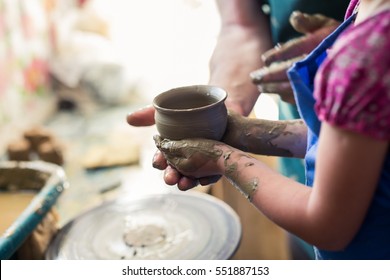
<point x="191" y="112"/>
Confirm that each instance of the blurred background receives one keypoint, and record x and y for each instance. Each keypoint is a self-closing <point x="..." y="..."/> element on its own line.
<point x="111" y="52"/>
<point x="77" y="67"/>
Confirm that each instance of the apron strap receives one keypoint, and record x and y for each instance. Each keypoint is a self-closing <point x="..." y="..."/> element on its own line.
<point x="302" y="75"/>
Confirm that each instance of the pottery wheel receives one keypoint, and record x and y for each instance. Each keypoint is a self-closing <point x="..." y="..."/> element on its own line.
<point x="163" y="226"/>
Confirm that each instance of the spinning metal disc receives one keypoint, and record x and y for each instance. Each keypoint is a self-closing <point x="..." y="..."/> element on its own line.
<point x="163" y="226"/>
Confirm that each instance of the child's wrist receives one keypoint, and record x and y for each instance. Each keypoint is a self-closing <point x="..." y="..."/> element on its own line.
<point x="232" y="164"/>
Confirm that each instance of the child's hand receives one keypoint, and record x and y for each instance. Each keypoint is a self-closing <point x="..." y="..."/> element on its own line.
<point x="173" y="151"/>
<point x="190" y="161"/>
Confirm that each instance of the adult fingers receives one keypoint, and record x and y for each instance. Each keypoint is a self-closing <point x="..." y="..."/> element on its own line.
<point x="282" y="88"/>
<point x="315" y="27"/>
<point x="292" y="48"/>
<point x="289" y="98"/>
<point x="309" y="23"/>
<point x="142" y="117"/>
<point x="276" y="72"/>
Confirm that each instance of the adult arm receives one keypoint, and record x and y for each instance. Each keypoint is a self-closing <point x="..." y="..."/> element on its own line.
<point x="244" y="36"/>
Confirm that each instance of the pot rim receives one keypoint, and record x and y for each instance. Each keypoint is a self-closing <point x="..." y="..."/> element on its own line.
<point x="198" y="88"/>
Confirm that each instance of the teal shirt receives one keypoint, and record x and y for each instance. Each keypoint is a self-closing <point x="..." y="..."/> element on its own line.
<point x="282" y="9"/>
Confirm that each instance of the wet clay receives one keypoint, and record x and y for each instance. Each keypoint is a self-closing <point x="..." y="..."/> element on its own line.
<point x="200" y="153"/>
<point x="259" y="136"/>
<point x="144" y="235"/>
<point x="17" y="179"/>
<point x="188" y="156"/>
<point x="12" y="204"/>
<point x="247" y="188"/>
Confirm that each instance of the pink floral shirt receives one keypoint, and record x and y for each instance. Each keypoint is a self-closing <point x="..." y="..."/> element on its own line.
<point x="352" y="86"/>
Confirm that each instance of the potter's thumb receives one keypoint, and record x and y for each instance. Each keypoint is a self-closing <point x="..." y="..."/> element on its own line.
<point x="308" y="23"/>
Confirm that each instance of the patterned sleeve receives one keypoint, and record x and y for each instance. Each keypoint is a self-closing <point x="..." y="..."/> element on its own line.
<point x="352" y="88"/>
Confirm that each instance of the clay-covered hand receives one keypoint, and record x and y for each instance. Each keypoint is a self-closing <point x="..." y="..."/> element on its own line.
<point x="188" y="162"/>
<point x="172" y="176"/>
<point x="273" y="77"/>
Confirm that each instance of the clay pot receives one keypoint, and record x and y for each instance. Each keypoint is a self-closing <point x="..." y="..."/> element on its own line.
<point x="191" y="112"/>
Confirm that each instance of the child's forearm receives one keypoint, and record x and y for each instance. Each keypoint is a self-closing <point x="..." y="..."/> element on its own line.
<point x="281" y="199"/>
<point x="265" y="137"/>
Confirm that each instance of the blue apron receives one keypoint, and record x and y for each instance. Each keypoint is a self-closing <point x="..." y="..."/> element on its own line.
<point x="373" y="239"/>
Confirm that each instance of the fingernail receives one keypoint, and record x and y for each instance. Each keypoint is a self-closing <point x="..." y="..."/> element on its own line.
<point x="156" y="165"/>
<point x="296" y="13"/>
<point x="258" y="75"/>
<point x="272" y="56"/>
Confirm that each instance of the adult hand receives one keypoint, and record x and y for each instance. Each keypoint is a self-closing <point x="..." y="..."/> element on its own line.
<point x="244" y="33"/>
<point x="142" y="117"/>
<point x="273" y="77"/>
